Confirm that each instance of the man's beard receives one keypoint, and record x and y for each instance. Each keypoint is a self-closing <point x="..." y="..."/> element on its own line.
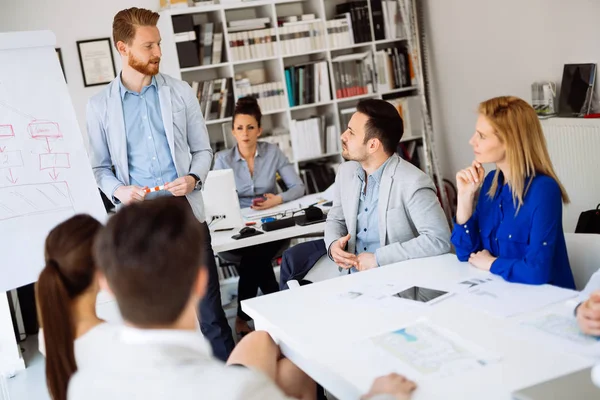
<point x="148" y="68"/>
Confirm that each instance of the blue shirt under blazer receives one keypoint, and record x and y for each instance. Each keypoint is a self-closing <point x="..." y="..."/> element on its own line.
<point x="268" y="161"/>
<point x="530" y="245"/>
<point x="183" y="126"/>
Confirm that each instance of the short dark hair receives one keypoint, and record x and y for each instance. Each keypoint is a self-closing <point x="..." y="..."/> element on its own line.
<point x="150" y="253"/>
<point x="247" y="106"/>
<point x="385" y="123"/>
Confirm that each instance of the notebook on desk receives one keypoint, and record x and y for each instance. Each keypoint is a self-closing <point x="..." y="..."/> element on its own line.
<point x="577" y="385"/>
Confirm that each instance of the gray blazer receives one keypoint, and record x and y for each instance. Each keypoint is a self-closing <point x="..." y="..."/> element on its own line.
<point x="411" y="221"/>
<point x="184" y="126"/>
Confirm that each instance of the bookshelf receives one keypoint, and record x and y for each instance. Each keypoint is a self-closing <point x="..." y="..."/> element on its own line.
<point x="279" y="50"/>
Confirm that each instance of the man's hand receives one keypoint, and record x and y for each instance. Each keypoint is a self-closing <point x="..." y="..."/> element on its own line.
<point x="393" y="384"/>
<point x="366" y="261"/>
<point x="482" y="260"/>
<point x="181" y="186"/>
<point x="271" y="200"/>
<point x="130" y="194"/>
<point x="340" y="255"/>
<point x="588" y="315"/>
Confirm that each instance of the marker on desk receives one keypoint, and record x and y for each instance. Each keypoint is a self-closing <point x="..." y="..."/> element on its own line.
<point x="154" y="189"/>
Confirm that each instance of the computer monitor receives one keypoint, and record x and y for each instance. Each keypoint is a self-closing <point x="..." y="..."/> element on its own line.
<point x="221" y="204"/>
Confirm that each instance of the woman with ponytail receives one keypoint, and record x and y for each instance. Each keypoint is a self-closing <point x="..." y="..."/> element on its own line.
<point x="256" y="165"/>
<point x="66" y="294"/>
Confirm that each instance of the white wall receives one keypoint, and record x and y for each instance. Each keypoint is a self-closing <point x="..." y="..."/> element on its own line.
<point x="70" y="20"/>
<point x="486" y="48"/>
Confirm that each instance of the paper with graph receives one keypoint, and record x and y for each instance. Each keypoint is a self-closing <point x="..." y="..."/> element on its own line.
<point x="505" y="299"/>
<point x="429" y="350"/>
<point x="559" y="331"/>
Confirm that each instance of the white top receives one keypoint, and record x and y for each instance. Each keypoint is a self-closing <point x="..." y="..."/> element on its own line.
<point x="83" y="343"/>
<point x="129" y="363"/>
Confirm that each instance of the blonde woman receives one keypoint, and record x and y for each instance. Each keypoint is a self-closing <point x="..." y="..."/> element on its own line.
<point x="515" y="230"/>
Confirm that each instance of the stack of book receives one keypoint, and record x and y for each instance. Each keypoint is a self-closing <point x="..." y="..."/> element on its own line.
<point x="410" y="111"/>
<point x="345" y="116"/>
<point x="357" y="15"/>
<point x="251" y="39"/>
<point x="313" y="138"/>
<point x="394" y="69"/>
<point x="353" y="74"/>
<point x="197" y="44"/>
<point x="282" y="140"/>
<point x="210" y="44"/>
<point x="339" y="32"/>
<point x="308" y="83"/>
<point x="387" y="19"/>
<point x="317" y="176"/>
<point x="270" y="96"/>
<point x="227" y="271"/>
<point x="215" y="98"/>
<point x="301" y="34"/>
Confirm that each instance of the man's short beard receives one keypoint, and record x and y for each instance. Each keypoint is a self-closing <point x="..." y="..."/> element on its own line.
<point x="144" y="68"/>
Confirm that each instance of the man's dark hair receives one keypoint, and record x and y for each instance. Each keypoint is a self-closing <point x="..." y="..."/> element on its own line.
<point x="384" y="123"/>
<point x="150" y="253"/>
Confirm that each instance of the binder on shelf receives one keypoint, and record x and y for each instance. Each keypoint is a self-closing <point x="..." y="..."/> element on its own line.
<point x="308" y="83"/>
<point x="214" y="97"/>
<point x="355" y="72"/>
<point x="185" y="41"/>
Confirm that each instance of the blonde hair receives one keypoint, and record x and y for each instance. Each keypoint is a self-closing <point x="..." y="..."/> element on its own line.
<point x="126" y="21"/>
<point x="518" y="127"/>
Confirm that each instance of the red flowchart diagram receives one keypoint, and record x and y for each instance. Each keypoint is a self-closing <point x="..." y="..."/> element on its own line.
<point x="44" y="130"/>
<point x="26" y="199"/>
<point x="51" y="160"/>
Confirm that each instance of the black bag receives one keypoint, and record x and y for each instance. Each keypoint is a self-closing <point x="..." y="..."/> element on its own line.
<point x="589" y="221"/>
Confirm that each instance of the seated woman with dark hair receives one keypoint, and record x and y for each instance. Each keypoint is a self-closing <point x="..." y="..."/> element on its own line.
<point x="66" y="293"/>
<point x="255" y="165"/>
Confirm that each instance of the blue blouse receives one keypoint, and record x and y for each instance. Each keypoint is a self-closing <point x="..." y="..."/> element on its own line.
<point x="530" y="246"/>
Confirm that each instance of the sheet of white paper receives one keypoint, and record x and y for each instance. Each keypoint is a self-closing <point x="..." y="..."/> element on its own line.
<point x="558" y="329"/>
<point x="504" y="299"/>
<point x="420" y="351"/>
<point x="432" y="351"/>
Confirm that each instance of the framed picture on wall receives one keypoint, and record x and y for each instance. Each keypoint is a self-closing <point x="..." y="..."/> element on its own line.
<point x="97" y="62"/>
<point x="60" y="60"/>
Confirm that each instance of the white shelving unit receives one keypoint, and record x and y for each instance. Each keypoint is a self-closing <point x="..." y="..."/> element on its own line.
<point x="274" y="66"/>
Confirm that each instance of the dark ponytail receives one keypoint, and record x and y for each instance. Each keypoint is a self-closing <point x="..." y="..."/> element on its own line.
<point x="69" y="272"/>
<point x="247" y="106"/>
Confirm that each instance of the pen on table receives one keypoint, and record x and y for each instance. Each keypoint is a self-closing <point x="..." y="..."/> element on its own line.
<point x="154" y="189"/>
<point x="318" y="202"/>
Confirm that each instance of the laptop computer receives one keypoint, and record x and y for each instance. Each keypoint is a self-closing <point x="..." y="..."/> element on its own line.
<point x="221" y="203"/>
<point x="577" y="385"/>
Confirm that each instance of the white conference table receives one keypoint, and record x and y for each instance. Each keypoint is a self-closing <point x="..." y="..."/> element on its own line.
<point x="222" y="241"/>
<point x="307" y="323"/>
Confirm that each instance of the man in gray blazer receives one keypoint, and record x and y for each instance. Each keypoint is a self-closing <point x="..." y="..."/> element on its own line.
<point x="385" y="210"/>
<point x="149" y="128"/>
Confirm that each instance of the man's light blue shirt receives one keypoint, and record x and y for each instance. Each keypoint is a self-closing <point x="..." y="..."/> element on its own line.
<point x="149" y="157"/>
<point x="367" y="222"/>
